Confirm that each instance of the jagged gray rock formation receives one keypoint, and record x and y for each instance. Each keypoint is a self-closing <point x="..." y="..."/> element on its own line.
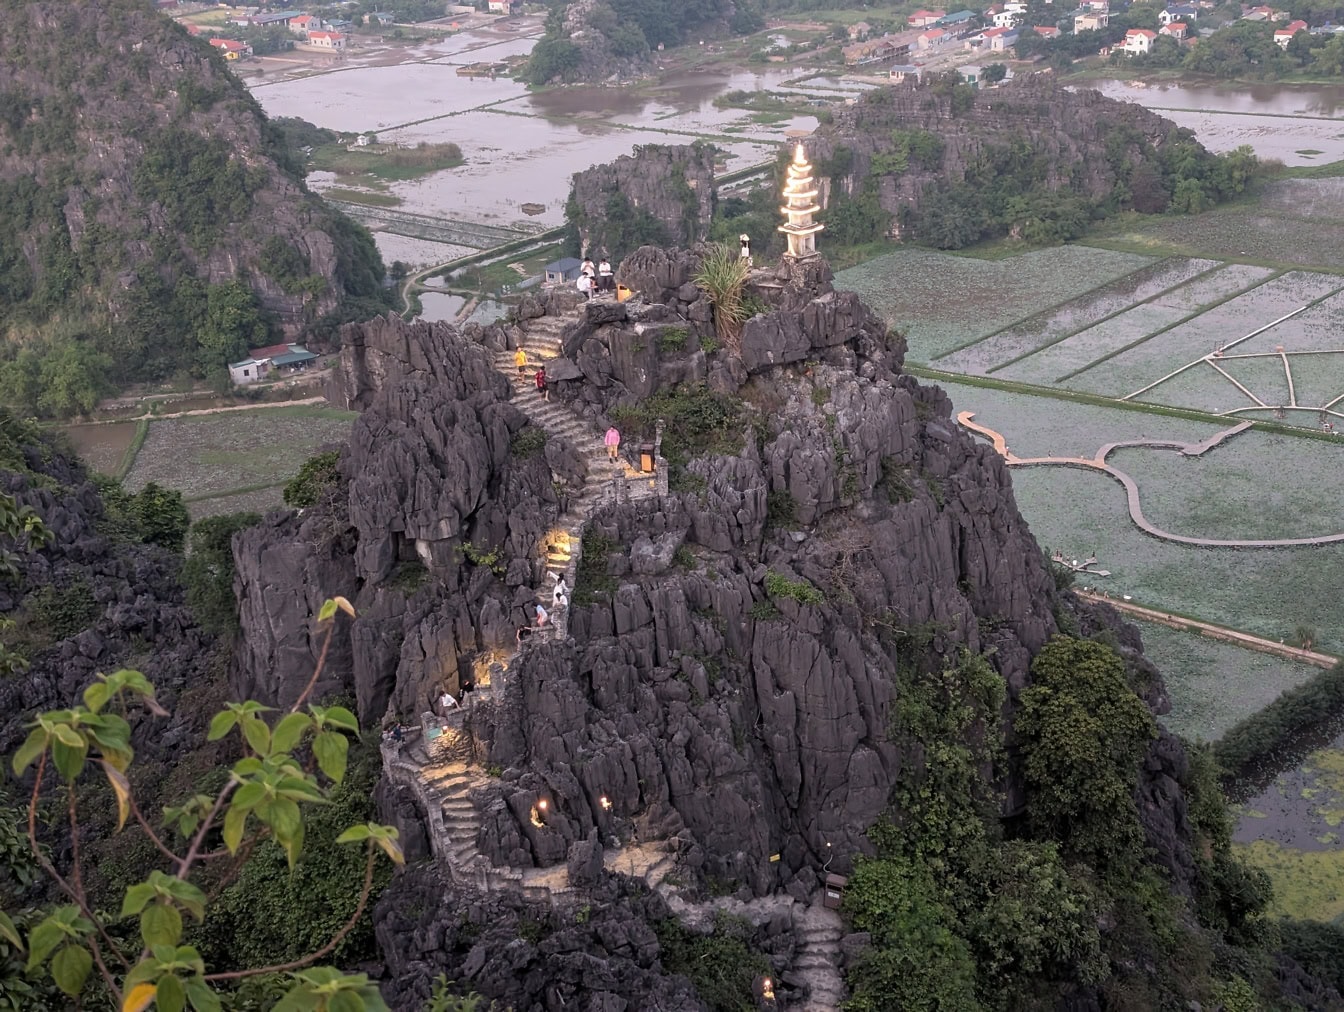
<point x="672" y="184"/>
<point x="434" y="506"/>
<point x="724" y="692"/>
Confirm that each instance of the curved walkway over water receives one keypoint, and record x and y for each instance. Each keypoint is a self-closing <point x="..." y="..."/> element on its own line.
<point x="1098" y="463"/>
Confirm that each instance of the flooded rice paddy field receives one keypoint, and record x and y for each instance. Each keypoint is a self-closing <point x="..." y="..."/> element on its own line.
<point x="416" y="252"/>
<point x="1297" y="124"/>
<point x="102" y="446"/>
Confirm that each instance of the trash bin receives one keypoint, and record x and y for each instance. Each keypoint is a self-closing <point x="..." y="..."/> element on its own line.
<point x="623" y="293"/>
<point x="646" y="457"/>
<point x="835" y="887"/>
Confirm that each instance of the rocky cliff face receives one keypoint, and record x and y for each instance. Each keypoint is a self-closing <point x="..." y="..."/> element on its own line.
<point x="431" y="534"/>
<point x="661" y="195"/>
<point x="133" y="165"/>
<point x="736" y="647"/>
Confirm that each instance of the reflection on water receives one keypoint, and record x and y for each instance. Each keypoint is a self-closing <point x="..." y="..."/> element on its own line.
<point x="440" y="306"/>
<point x="1277" y="120"/>
<point x="1275" y="99"/>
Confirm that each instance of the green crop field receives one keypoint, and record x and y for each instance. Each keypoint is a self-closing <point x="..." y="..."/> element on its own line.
<point x="1212" y="684"/>
<point x="1038" y="427"/>
<point x="1255" y="485"/>
<point x="1295" y="222"/>
<point x="1073" y="316"/>
<point x="1224" y="324"/>
<point x="942" y="302"/>
<point x="1267" y="592"/>
<point x="209" y="455"/>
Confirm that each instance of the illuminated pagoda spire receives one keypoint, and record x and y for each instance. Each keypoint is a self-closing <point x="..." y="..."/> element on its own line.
<point x="799" y="197"/>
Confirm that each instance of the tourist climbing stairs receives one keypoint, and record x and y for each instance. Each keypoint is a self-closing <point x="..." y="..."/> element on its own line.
<point x="542" y="342"/>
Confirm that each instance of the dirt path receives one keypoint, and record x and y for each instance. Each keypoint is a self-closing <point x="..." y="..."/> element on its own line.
<point x="197" y="412"/>
<point x="1216" y="632"/>
<point x="1098" y="463"/>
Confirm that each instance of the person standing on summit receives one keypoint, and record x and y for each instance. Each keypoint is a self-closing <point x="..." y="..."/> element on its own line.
<point x="606" y="279"/>
<point x="612" y="440"/>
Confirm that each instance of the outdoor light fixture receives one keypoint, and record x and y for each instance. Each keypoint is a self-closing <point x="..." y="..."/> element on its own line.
<point x="542" y="804"/>
<point x="768" y="989"/>
<point x="605" y="802"/>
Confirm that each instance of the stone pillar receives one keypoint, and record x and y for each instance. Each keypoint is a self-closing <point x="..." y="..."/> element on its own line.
<point x="658" y="440"/>
<point x="660" y="474"/>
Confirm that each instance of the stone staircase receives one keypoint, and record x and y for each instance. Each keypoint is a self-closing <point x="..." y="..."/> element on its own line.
<point x="818" y="930"/>
<point x="443" y="782"/>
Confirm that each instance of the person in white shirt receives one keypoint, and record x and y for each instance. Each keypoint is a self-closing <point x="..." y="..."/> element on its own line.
<point x="447" y="702"/>
<point x="560" y="595"/>
<point x="606" y="279"/>
<point x="542" y="616"/>
<point x="585" y="286"/>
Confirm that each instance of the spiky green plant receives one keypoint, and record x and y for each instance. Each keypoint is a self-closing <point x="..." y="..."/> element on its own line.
<point x="723" y="276"/>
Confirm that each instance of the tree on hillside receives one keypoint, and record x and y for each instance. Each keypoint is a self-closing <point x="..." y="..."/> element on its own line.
<point x="1084" y="733"/>
<point x="208" y="572"/>
<point x="160" y="516"/>
<point x="233" y="323"/>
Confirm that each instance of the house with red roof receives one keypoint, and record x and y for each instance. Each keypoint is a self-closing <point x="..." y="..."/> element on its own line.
<point x="934" y="38"/>
<point x="1046" y="31"/>
<point x="1138" y="41"/>
<point x="233" y="49"/>
<point x="327" y="40"/>
<point x="1177" y="30"/>
<point x="305" y="23"/>
<point x="998" y="39"/>
<point x="925" y="19"/>
<point x="1284" y="35"/>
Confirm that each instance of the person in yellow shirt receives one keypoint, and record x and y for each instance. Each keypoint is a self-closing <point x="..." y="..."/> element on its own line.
<point x="520" y="360"/>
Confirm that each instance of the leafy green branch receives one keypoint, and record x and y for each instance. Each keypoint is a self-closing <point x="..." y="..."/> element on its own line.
<point x="263" y="797"/>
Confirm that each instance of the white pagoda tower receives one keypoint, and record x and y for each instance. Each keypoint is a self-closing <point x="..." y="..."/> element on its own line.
<point x="799" y="197"/>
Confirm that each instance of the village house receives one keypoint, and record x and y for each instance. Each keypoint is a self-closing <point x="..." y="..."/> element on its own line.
<point x="1138" y="41"/>
<point x="379" y="18"/>
<point x="1093" y="22"/>
<point x="859" y="31"/>
<point x="925" y="19"/>
<point x="934" y="38"/>
<point x="233" y="49"/>
<point x="327" y="40"/>
<point x="1176" y="30"/>
<point x="260" y="362"/>
<point x="1178" y="12"/>
<point x="506" y="6"/>
<point x="996" y="40"/>
<point x="888" y="47"/>
<point x="258" y="20"/>
<point x="305" y="23"/>
<point x="960" y="22"/>
<point x="1005" y="19"/>
<point x="905" y="72"/>
<point x="1284" y="35"/>
<point x="1046" y="31"/>
<point x="561" y="271"/>
<point x="971" y="74"/>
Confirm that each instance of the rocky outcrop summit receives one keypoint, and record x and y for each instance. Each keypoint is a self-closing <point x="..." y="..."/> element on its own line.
<point x="915" y="141"/>
<point x="724" y="698"/>
<point x="671" y="186"/>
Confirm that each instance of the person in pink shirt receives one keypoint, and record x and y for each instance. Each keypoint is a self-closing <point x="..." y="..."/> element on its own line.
<point x="613" y="442"/>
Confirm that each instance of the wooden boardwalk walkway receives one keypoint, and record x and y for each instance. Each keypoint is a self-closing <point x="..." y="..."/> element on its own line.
<point x="1098" y="463"/>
